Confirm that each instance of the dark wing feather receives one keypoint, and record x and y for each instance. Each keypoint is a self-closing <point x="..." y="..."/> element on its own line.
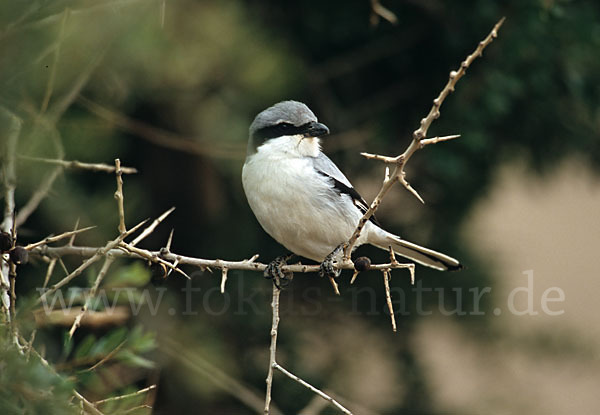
<point x="326" y="167"/>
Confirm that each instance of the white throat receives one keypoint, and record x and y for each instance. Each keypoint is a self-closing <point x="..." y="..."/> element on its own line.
<point x="291" y="146"/>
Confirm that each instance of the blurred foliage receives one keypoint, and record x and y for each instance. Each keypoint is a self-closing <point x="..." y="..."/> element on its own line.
<point x="198" y="71"/>
<point x="27" y="386"/>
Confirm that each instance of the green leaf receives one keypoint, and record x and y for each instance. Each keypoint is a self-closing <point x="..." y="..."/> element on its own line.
<point x="114" y="338"/>
<point x="142" y="342"/>
<point x="84" y="349"/>
<point x="130" y="358"/>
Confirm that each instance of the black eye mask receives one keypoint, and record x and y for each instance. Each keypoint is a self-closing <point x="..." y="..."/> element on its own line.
<point x="274" y="131"/>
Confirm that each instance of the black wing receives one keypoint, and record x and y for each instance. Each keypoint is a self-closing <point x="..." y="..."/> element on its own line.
<point x="326" y="167"/>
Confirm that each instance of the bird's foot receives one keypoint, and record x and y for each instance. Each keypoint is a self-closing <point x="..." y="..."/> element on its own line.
<point x="327" y="267"/>
<point x="273" y="271"/>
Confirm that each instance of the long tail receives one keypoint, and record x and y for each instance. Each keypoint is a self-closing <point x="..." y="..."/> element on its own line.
<point x="424" y="256"/>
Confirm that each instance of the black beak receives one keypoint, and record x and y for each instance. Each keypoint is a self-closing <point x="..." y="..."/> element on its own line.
<point x="316" y="129"/>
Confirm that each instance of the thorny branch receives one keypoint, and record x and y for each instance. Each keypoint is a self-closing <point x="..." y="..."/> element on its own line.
<point x="74" y="164"/>
<point x="48" y="181"/>
<point x="398" y="174"/>
<point x="274" y="365"/>
<point x="273" y="347"/>
<point x="129" y="395"/>
<point x="107" y="263"/>
<point x="388" y="298"/>
<point x="312" y="389"/>
<point x="98" y="253"/>
<point x="204" y="264"/>
<point x="119" y="196"/>
<point x="8" y="223"/>
<point x="57" y="238"/>
<point x="418" y="141"/>
<point x="11" y="220"/>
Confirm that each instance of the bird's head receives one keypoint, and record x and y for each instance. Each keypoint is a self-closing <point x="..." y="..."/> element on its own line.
<point x="284" y="119"/>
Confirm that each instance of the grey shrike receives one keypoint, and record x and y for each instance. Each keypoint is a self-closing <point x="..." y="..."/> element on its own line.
<point x="303" y="200"/>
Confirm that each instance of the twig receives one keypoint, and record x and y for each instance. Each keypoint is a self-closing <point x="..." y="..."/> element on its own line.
<point x="153" y="257"/>
<point x="168" y="245"/>
<point x="51" y="239"/>
<point x="411" y="267"/>
<point x="129" y="395"/>
<point x="107" y="263"/>
<point x="93" y="258"/>
<point x="152" y="227"/>
<point x="8" y="222"/>
<point x="167" y="249"/>
<point x="163" y="8"/>
<point x="135" y="408"/>
<point x="72" y="239"/>
<point x="106" y="358"/>
<point x="417" y="142"/>
<point x="119" y="196"/>
<point x="175" y="264"/>
<point x="354" y="275"/>
<point x="49" y="271"/>
<point x="90" y="407"/>
<point x="312" y="389"/>
<point x="12" y="276"/>
<point x="336" y="289"/>
<point x="377" y="11"/>
<point x="223" y="279"/>
<point x="388" y="296"/>
<point x="64" y="267"/>
<point x="423" y="143"/>
<point x="272" y="348"/>
<point x="116" y="316"/>
<point x="356" y="407"/>
<point x="74" y="164"/>
<point x="434" y="113"/>
<point x="274" y="365"/>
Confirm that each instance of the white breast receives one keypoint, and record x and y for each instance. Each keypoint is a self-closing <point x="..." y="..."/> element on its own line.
<point x="295" y="204"/>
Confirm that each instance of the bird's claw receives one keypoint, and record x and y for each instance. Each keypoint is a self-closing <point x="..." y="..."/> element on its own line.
<point x="273" y="271"/>
<point x="327" y="267"/>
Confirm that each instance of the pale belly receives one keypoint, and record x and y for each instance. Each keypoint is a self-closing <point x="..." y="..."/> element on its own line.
<point x="297" y="207"/>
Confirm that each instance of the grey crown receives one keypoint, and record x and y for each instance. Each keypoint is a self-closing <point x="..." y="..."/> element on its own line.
<point x="292" y="112"/>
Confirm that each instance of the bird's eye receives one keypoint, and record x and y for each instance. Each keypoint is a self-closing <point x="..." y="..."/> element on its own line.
<point x="285" y="125"/>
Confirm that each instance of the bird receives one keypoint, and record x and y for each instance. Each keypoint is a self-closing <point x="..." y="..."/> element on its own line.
<point x="302" y="199"/>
